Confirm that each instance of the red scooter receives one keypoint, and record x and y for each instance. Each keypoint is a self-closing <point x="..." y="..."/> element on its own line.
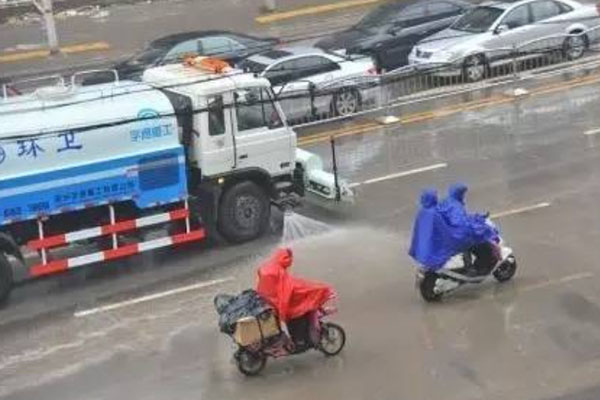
<point x="263" y="336"/>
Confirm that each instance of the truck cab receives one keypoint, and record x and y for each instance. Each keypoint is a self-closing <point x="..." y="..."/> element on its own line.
<point x="240" y="151"/>
<point x="230" y="121"/>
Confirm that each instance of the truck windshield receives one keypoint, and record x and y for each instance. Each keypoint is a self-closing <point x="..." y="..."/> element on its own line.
<point x="478" y="20"/>
<point x="255" y="109"/>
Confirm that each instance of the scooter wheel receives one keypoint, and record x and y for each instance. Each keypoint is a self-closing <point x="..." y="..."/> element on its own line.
<point x="249" y="363"/>
<point x="506" y="270"/>
<point x="427" y="288"/>
<point x="333" y="339"/>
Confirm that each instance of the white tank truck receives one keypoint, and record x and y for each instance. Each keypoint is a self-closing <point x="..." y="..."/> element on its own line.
<point x="197" y="148"/>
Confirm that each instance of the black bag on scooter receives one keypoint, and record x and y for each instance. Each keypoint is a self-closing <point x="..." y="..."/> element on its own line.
<point x="232" y="308"/>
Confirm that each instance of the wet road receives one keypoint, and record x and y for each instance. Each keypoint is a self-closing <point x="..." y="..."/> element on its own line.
<point x="537" y="337"/>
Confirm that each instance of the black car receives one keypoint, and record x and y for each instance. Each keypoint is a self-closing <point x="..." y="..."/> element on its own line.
<point x="228" y="46"/>
<point x="389" y="32"/>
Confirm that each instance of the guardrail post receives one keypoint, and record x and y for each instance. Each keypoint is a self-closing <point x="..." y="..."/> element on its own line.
<point x="313" y="107"/>
<point x="385" y="94"/>
<point x="515" y="64"/>
<point x="516" y="91"/>
<point x="336" y="182"/>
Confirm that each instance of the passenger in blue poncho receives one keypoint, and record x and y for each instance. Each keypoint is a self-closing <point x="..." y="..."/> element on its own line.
<point x="444" y="230"/>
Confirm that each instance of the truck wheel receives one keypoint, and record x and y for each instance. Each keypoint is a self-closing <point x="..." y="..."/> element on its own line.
<point x="6" y="278"/>
<point x="244" y="212"/>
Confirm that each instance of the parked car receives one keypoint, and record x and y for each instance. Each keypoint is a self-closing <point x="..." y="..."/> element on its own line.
<point x="489" y="35"/>
<point x="228" y="46"/>
<point x="311" y="82"/>
<point x="389" y="32"/>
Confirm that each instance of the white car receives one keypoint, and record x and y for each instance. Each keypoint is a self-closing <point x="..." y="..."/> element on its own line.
<point x="491" y="33"/>
<point x="310" y="82"/>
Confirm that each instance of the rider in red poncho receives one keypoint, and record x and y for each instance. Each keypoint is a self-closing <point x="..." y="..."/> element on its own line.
<point x="294" y="299"/>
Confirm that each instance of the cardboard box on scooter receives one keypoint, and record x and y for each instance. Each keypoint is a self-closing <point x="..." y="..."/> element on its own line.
<point x="250" y="330"/>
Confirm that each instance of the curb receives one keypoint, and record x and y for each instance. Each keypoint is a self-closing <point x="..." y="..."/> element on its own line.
<point x="305" y="11"/>
<point x="8" y="57"/>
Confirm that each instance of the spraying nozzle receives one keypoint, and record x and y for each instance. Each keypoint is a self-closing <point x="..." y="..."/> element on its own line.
<point x="288" y="203"/>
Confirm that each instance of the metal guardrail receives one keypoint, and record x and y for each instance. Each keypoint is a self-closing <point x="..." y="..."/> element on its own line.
<point x="511" y="64"/>
<point x="311" y="104"/>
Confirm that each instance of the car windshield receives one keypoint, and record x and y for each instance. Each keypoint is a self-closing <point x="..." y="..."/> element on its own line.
<point x="382" y="15"/>
<point x="147" y="56"/>
<point x="478" y="20"/>
<point x="252" y="66"/>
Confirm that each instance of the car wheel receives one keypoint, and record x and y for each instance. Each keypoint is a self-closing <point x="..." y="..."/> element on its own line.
<point x="346" y="102"/>
<point x="474" y="68"/>
<point x="574" y="46"/>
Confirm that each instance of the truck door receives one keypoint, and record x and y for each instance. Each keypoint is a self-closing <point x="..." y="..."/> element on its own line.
<point x="217" y="146"/>
<point x="262" y="139"/>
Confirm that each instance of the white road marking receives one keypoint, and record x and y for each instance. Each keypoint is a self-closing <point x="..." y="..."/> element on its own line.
<point x="151" y="297"/>
<point x="400" y="174"/>
<point x="546" y="283"/>
<point x="592" y="131"/>
<point x="553" y="282"/>
<point x="520" y="210"/>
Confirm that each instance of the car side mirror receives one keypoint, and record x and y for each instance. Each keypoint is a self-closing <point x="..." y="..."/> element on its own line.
<point x="501" y="29"/>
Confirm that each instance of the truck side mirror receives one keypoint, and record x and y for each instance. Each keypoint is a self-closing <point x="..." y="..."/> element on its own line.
<point x="501" y="29"/>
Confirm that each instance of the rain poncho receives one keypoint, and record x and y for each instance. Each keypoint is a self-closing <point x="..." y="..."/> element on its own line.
<point x="432" y="242"/>
<point x="467" y="229"/>
<point x="292" y="297"/>
<point x="444" y="230"/>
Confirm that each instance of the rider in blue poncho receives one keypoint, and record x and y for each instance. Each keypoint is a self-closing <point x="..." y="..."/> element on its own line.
<point x="444" y="230"/>
<point x="432" y="242"/>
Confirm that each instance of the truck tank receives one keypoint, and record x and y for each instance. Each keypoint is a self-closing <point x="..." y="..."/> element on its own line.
<point x="68" y="148"/>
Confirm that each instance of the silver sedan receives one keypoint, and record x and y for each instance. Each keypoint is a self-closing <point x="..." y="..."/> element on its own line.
<point x="491" y="33"/>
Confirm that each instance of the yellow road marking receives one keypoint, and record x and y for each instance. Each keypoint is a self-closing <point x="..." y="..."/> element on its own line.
<point x="42" y="53"/>
<point x="304" y="11"/>
<point x="447" y="111"/>
<point x="80" y="48"/>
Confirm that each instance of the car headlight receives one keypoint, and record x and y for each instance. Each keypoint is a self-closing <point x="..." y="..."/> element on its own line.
<point x="448" y="55"/>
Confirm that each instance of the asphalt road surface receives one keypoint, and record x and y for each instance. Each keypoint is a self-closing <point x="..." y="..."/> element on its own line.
<point x="534" y="162"/>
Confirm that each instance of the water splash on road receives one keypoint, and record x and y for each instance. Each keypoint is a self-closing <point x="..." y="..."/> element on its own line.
<point x="296" y="227"/>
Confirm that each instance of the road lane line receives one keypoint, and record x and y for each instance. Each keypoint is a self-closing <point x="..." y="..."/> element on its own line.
<point x="554" y="282"/>
<point x="520" y="210"/>
<point x="592" y="131"/>
<point x="547" y="283"/>
<point x="400" y="174"/>
<point x="313" y="10"/>
<point x="151" y="297"/>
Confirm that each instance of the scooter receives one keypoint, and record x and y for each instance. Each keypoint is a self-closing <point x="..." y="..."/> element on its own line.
<point x="460" y="270"/>
<point x="273" y="341"/>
